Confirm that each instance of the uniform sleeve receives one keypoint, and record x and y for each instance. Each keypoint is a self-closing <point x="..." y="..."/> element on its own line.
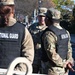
<point x="49" y="40"/>
<point x="28" y="47"/>
<point x="69" y="54"/>
<point x="27" y="51"/>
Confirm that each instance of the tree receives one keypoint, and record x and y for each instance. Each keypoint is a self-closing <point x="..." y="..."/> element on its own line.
<point x="67" y="3"/>
<point x="26" y="7"/>
<point x="65" y="6"/>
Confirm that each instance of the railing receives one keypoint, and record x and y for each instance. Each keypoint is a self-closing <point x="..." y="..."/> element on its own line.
<point x="10" y="70"/>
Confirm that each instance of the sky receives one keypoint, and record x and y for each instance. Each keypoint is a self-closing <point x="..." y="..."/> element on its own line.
<point x="74" y="1"/>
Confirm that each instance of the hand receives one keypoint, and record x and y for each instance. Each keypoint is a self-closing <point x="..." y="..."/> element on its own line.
<point x="65" y="64"/>
<point x="69" y="66"/>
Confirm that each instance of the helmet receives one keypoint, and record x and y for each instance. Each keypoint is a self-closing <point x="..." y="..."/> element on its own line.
<point x="53" y="13"/>
<point x="6" y="2"/>
<point x="42" y="11"/>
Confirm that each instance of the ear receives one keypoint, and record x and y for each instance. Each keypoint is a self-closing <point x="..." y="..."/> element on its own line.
<point x="12" y="12"/>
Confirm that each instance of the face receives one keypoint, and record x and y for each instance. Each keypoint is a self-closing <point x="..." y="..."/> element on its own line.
<point x="41" y="20"/>
<point x="46" y="21"/>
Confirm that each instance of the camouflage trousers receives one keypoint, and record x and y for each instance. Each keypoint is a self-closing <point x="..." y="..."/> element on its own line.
<point x="57" y="71"/>
<point x="45" y="69"/>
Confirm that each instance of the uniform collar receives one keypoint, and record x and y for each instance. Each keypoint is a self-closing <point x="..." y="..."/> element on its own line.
<point x="12" y="21"/>
<point x="57" y="25"/>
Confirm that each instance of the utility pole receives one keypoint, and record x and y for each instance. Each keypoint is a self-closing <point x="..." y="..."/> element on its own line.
<point x="39" y="3"/>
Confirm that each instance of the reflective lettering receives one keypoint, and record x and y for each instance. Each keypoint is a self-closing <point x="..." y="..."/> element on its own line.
<point x="9" y="35"/>
<point x="63" y="36"/>
<point x="4" y="35"/>
<point x="13" y="36"/>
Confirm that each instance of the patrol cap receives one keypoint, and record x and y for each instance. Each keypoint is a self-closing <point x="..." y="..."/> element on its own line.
<point x="6" y="2"/>
<point x="42" y="11"/>
<point x="53" y="13"/>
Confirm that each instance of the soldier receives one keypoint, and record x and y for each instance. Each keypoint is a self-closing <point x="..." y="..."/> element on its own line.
<point x="72" y="26"/>
<point x="65" y="22"/>
<point x="15" y="39"/>
<point x="36" y="29"/>
<point x="56" y="42"/>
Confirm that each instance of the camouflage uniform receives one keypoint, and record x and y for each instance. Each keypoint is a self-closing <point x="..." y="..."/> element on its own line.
<point x="49" y="40"/>
<point x="27" y="48"/>
<point x="36" y="30"/>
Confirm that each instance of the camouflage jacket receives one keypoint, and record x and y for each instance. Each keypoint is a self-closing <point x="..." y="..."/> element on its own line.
<point x="49" y="40"/>
<point x="36" y="31"/>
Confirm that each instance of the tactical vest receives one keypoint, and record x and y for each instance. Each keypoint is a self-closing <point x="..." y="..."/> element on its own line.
<point x="61" y="44"/>
<point x="11" y="39"/>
